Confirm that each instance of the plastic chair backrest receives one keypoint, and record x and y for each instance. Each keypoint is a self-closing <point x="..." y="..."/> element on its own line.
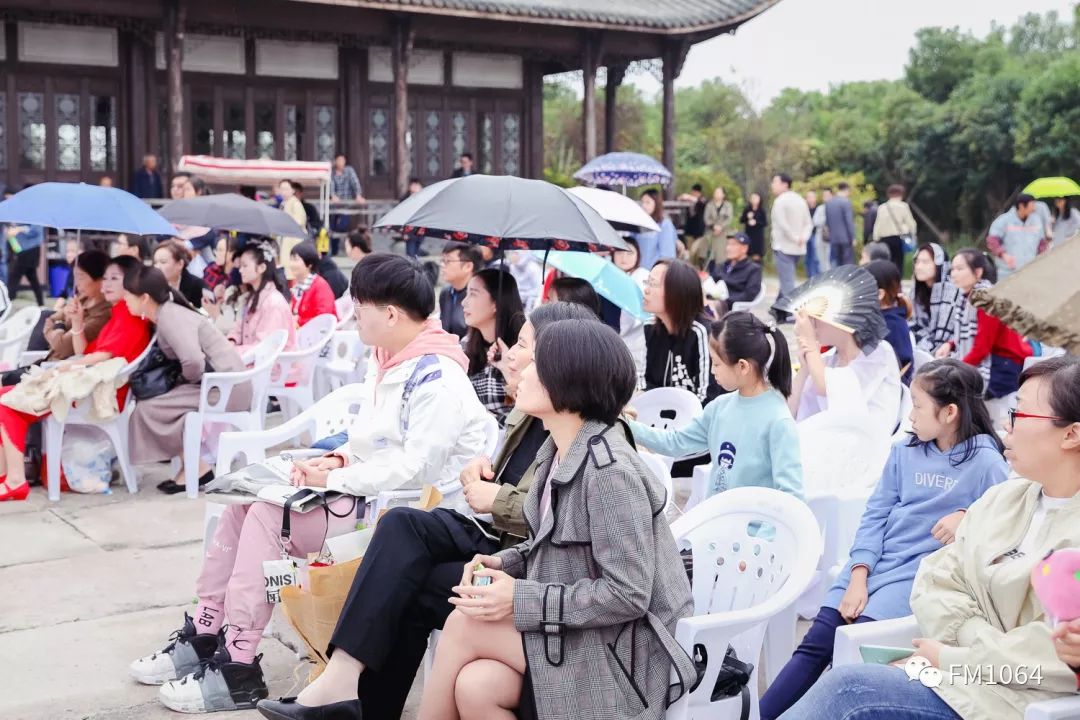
<point x="344" y="306"/>
<point x="747" y="543"/>
<point x="338" y="410"/>
<point x="491" y="435"/>
<point x="15" y="334"/>
<point x="667" y="408"/>
<point x="264" y="355"/>
<point x="660" y="470"/>
<point x="921" y="357"/>
<point x="131" y="366"/>
<point x="742" y="305"/>
<point x="298" y="365"/>
<point x="904" y="417"/>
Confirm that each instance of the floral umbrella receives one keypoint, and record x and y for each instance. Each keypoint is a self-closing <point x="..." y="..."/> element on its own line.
<point x="624" y="168"/>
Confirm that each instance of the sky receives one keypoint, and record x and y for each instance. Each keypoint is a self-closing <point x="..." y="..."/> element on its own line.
<point x="808" y="44"/>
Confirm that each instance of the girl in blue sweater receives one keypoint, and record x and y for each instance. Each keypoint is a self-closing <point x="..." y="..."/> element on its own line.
<point x="749" y="432"/>
<point x="951" y="459"/>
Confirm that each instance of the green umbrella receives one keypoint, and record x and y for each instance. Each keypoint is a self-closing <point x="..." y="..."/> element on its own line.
<point x="1052" y="187"/>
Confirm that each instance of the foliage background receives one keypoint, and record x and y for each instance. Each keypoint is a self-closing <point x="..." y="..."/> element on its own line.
<point x="972" y="120"/>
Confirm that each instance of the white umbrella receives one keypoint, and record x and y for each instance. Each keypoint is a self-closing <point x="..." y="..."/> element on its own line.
<point x="617" y="209"/>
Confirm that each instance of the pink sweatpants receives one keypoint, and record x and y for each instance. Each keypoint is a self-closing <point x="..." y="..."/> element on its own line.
<point x="232" y="573"/>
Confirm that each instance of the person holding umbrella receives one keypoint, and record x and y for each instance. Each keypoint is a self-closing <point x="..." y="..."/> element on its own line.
<point x="655" y="246"/>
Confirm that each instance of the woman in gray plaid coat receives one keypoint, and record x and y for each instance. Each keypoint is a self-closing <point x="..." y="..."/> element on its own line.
<point x="578" y="621"/>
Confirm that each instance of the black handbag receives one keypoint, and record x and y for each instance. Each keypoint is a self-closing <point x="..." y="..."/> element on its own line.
<point x="732" y="680"/>
<point x="156" y="375"/>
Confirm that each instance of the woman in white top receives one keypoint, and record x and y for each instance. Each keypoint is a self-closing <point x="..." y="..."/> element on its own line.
<point x="632" y="330"/>
<point x="858" y="375"/>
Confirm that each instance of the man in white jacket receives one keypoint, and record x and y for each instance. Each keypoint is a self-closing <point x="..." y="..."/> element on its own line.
<point x="791" y="228"/>
<point x="422" y="423"/>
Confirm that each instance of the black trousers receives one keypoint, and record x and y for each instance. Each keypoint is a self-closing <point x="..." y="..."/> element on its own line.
<point x="25" y="264"/>
<point x="895" y="243"/>
<point x="399" y="596"/>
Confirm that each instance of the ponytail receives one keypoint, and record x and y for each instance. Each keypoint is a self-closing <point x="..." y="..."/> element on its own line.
<point x="742" y="336"/>
<point x="147" y="280"/>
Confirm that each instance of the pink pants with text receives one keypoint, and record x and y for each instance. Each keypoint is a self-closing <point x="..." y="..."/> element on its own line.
<point x="230" y="586"/>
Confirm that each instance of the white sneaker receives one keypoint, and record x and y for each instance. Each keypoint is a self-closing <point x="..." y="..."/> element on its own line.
<point x="182" y="656"/>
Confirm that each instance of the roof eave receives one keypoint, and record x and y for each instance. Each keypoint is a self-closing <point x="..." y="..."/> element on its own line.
<point x="700" y="29"/>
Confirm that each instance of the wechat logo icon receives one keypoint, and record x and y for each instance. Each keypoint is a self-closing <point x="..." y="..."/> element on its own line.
<point x="918" y="668"/>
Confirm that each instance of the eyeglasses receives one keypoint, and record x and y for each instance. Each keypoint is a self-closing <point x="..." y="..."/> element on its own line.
<point x="446" y="261"/>
<point x="1013" y="414"/>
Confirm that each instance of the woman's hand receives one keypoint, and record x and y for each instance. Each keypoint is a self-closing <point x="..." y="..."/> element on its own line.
<point x="1067" y="643"/>
<point x="58" y="306"/>
<point x="944" y="351"/>
<point x="481" y="496"/>
<point x="929" y="649"/>
<point x="488" y="561"/>
<point x="492" y="602"/>
<point x="944" y="530"/>
<point x="211" y="307"/>
<point x="479" y="468"/>
<point x="75" y="314"/>
<point x="498" y="348"/>
<point x="804" y="330"/>
<point x="313" y="473"/>
<point x="855" y="597"/>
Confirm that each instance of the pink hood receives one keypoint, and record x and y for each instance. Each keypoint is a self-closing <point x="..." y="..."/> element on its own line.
<point x="432" y="340"/>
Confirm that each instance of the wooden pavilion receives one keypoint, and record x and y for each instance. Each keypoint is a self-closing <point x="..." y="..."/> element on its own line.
<point x="403" y="87"/>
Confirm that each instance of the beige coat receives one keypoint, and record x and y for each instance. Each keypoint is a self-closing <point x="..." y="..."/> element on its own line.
<point x="43" y="391"/>
<point x="157" y="424"/>
<point x="986" y="613"/>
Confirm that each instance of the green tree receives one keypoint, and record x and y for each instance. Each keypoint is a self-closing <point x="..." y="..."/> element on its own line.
<point x="1048" y="126"/>
<point x="941" y="60"/>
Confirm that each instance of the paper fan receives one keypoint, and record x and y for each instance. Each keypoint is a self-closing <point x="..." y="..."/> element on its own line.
<point x="845" y="297"/>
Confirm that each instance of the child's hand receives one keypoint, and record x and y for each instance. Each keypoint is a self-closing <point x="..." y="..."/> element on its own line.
<point x="945" y="529"/>
<point x="1067" y="643"/>
<point x="855" y="597"/>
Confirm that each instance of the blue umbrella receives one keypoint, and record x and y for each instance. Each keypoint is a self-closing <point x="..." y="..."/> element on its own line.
<point x="78" y="206"/>
<point x="605" y="276"/>
<point x="624" y="168"/>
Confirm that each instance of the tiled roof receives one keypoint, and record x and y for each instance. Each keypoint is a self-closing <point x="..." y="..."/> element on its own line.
<point x="666" y="16"/>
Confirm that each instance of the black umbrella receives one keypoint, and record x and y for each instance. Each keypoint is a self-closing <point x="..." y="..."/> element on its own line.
<point x="232" y="212"/>
<point x="503" y="212"/>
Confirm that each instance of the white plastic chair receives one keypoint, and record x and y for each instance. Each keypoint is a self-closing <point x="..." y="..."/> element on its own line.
<point x="667" y="408"/>
<point x="760" y="298"/>
<point x="15" y="335"/>
<point x="740" y="582"/>
<point x="899" y="632"/>
<point x="656" y="464"/>
<point x="115" y="428"/>
<point x="217" y="387"/>
<point x="344" y="361"/>
<point x="904" y="415"/>
<point x="293" y="378"/>
<point x="330" y="415"/>
<point x="345" y="309"/>
<point x="449" y="487"/>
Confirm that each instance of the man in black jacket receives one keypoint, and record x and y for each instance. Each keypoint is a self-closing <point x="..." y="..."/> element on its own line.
<point x="740" y="274"/>
<point x="460" y="262"/>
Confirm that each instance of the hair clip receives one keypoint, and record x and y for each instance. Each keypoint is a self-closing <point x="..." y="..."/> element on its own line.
<point x="769" y="324"/>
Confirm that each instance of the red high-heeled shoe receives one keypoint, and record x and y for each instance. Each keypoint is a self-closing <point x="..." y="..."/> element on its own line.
<point x="19" y="493"/>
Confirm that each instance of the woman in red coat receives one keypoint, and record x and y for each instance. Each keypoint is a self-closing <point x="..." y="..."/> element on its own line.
<point x="123" y="335"/>
<point x="312" y="295"/>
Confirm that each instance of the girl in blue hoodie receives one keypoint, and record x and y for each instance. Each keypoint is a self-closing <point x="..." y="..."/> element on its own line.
<point x="895" y="310"/>
<point x="952" y="457"/>
<point x="748" y="432"/>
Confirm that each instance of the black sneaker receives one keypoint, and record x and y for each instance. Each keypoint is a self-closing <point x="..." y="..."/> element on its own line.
<point x="183" y="655"/>
<point x="220" y="684"/>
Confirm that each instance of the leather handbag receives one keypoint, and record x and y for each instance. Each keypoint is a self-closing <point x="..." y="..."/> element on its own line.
<point x="156" y="375"/>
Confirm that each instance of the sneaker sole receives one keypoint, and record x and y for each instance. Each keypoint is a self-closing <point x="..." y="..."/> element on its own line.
<point x="200" y="709"/>
<point x="147" y="679"/>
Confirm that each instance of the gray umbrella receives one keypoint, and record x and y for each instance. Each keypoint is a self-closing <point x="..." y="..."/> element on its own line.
<point x="232" y="212"/>
<point x="503" y="212"/>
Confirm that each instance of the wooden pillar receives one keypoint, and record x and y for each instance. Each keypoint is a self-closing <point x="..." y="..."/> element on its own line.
<point x="589" y="62"/>
<point x="175" y="20"/>
<point x="137" y="103"/>
<point x="615" y="75"/>
<point x="534" y="119"/>
<point x="674" y="55"/>
<point x="400" y="54"/>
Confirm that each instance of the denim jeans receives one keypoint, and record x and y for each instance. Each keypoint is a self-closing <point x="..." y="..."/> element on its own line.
<point x="869" y="692"/>
<point x="841" y="254"/>
<point x="812" y="266"/>
<point x="785" y="269"/>
<point x="810" y="660"/>
<point x="332" y="442"/>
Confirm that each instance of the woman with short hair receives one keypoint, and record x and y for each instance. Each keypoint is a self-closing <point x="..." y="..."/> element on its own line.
<point x="172" y="259"/>
<point x="311" y="295"/>
<point x="586" y="623"/>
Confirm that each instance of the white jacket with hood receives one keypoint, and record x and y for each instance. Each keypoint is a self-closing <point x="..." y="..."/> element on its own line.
<point x="421" y="421"/>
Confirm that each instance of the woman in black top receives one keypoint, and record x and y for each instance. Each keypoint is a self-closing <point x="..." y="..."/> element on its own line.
<point x="172" y="258"/>
<point x="677" y="339"/>
<point x="754" y="220"/>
